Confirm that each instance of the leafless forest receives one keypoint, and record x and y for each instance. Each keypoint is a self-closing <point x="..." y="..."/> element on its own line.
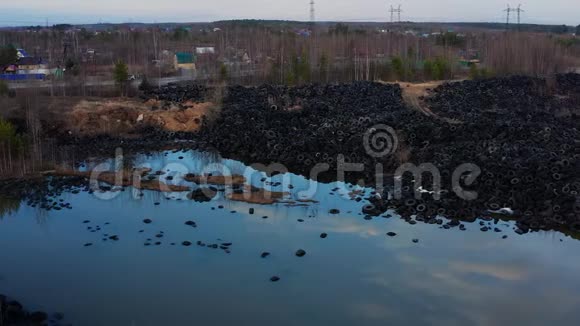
<point x="253" y="53"/>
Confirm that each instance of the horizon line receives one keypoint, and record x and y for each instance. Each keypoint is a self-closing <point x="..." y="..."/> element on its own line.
<point x="351" y="21"/>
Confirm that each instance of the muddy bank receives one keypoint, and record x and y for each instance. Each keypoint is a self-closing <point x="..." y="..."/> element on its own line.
<point x="134" y="178"/>
<point x="45" y="190"/>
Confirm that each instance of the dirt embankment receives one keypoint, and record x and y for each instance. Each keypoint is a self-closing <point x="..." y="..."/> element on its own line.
<point x="124" y="116"/>
<point x="415" y="94"/>
<point x="91" y="116"/>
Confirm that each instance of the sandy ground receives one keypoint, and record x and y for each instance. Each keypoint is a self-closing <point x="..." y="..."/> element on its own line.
<point x="257" y="196"/>
<point x="414" y="94"/>
<point x="118" y="116"/>
<point x="216" y="180"/>
<point x="125" y="179"/>
<point x="88" y="116"/>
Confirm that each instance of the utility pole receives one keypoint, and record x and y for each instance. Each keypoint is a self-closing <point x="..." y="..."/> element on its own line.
<point x="312" y="12"/>
<point x="399" y="12"/>
<point x="393" y="11"/>
<point x="519" y="10"/>
<point x="508" y="11"/>
<point x="49" y="37"/>
<point x="313" y="36"/>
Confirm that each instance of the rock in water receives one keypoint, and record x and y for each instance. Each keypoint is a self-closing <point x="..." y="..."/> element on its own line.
<point x="300" y="253"/>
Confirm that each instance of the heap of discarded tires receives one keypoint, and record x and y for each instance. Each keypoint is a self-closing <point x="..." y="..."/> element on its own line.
<point x="177" y="92"/>
<point x="306" y="125"/>
<point x="521" y="132"/>
<point x="12" y="313"/>
<point x="516" y="131"/>
<point x="568" y="83"/>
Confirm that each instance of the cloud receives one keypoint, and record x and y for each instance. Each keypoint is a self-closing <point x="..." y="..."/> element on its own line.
<point x="502" y="272"/>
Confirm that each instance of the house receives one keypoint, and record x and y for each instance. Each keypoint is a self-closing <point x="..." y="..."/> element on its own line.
<point x="27" y="68"/>
<point x="184" y="61"/>
<point x="167" y="62"/>
<point x="9" y="69"/>
<point x="88" y="55"/>
<point x="235" y="56"/>
<point x="32" y="65"/>
<point x="304" y="32"/>
<point x="246" y="58"/>
<point x="205" y="50"/>
<point x="468" y="58"/>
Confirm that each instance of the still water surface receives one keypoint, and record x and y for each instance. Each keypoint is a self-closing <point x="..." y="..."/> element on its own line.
<point x="356" y="276"/>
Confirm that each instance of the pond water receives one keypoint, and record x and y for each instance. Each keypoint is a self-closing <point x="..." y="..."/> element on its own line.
<point x="356" y="275"/>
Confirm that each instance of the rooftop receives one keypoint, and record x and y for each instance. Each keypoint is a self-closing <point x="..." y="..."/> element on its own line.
<point x="185" y="57"/>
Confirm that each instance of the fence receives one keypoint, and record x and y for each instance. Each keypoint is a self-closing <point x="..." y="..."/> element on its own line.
<point x="20" y="77"/>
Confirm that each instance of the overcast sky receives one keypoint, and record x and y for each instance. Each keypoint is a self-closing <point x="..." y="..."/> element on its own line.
<point x="29" y="12"/>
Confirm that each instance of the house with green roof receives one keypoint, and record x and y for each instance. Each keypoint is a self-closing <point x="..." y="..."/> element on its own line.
<point x="184" y="61"/>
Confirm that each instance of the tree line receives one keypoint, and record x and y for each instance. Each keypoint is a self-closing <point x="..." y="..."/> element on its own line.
<point x="280" y="53"/>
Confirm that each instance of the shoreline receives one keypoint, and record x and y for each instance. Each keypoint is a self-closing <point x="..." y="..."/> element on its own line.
<point x="447" y="124"/>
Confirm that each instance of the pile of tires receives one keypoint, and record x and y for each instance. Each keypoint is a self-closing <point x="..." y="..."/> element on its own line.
<point x="177" y="93"/>
<point x="522" y="133"/>
<point x="306" y="125"/>
<point x="515" y="131"/>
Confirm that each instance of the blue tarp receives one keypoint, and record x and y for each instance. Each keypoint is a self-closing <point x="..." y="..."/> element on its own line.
<point x="17" y="77"/>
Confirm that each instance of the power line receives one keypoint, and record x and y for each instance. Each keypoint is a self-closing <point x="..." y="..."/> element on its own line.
<point x="517" y="10"/>
<point x="508" y="11"/>
<point x="398" y="11"/>
<point x="312" y="12"/>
